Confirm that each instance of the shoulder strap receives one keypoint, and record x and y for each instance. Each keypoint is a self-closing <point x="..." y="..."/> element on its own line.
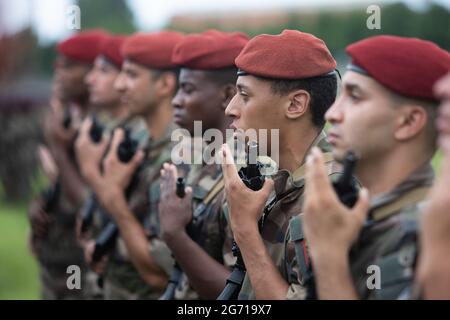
<point x="213" y="192"/>
<point x="408" y="199"/>
<point x="300" y="172"/>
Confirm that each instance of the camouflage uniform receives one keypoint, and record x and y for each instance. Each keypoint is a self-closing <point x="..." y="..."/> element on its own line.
<point x="93" y="289"/>
<point x="212" y="232"/>
<point x="59" y="250"/>
<point x="121" y="278"/>
<point x="388" y="240"/>
<point x="286" y="202"/>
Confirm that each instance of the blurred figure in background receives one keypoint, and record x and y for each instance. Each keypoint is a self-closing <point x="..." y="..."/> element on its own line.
<point x="434" y="263"/>
<point x="52" y="216"/>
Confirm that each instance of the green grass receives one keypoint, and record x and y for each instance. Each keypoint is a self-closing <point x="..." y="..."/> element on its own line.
<point x="18" y="268"/>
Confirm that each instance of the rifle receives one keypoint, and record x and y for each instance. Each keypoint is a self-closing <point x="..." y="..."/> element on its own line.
<point x="107" y="238"/>
<point x="347" y="193"/>
<point x="254" y="180"/>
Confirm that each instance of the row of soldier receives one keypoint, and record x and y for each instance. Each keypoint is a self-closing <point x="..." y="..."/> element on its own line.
<point x="112" y="208"/>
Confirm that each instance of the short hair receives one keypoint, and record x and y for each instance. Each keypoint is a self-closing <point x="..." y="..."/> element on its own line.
<point x="223" y="77"/>
<point x="157" y="73"/>
<point x="322" y="89"/>
<point x="431" y="107"/>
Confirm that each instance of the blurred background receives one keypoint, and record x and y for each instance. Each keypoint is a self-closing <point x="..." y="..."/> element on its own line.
<point x="29" y="30"/>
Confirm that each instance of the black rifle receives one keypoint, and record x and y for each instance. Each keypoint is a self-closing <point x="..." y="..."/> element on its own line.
<point x="177" y="272"/>
<point x="254" y="180"/>
<point x="107" y="238"/>
<point x="347" y="192"/>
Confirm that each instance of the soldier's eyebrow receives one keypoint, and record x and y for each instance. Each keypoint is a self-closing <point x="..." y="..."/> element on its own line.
<point x="353" y="87"/>
<point x="242" y="87"/>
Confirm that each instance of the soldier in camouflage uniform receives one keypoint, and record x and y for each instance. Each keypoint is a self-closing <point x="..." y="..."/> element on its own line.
<point x="369" y="251"/>
<point x="291" y="90"/>
<point x="109" y="113"/>
<point x="139" y="264"/>
<point x="433" y="281"/>
<point x="53" y="217"/>
<point x="206" y="86"/>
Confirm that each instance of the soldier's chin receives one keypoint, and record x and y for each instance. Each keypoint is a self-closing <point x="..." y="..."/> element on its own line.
<point x="339" y="154"/>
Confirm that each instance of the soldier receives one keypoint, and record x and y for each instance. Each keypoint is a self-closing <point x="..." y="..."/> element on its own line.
<point x="139" y="264"/>
<point x="109" y="112"/>
<point x="434" y="264"/>
<point x="286" y="81"/>
<point x="206" y="85"/>
<point x="369" y="252"/>
<point x="53" y="219"/>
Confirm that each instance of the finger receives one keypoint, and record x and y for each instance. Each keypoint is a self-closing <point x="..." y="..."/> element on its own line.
<point x="361" y="208"/>
<point x="188" y="194"/>
<point x="137" y="158"/>
<point x="317" y="182"/>
<point x="230" y="173"/>
<point x="117" y="138"/>
<point x="171" y="179"/>
<point x="267" y="187"/>
<point x="85" y="127"/>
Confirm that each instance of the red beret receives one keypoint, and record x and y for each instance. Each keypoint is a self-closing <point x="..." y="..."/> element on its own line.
<point x="408" y="66"/>
<point x="210" y="50"/>
<point x="153" y="50"/>
<point x="110" y="49"/>
<point x="83" y="46"/>
<point x="289" y="55"/>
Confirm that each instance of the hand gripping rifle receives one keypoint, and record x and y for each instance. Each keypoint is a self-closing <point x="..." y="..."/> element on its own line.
<point x="347" y="192"/>
<point x="253" y="179"/>
<point x="107" y="238"/>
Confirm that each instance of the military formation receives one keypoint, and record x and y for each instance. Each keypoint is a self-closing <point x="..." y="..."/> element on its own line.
<point x="351" y="209"/>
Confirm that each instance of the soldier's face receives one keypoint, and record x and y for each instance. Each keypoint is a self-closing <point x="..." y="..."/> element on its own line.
<point x="255" y="106"/>
<point x="100" y="81"/>
<point x="137" y="88"/>
<point x="69" y="76"/>
<point x="197" y="99"/>
<point x="363" y="119"/>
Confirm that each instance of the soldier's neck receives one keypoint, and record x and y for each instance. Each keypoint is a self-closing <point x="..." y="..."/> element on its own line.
<point x="159" y="120"/>
<point x="294" y="149"/>
<point x="383" y="174"/>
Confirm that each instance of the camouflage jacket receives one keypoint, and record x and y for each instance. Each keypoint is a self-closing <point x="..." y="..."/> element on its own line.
<point x="382" y="261"/>
<point x="286" y="202"/>
<point x="211" y="229"/>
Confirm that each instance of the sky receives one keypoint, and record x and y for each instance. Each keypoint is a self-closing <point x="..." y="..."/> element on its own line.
<point x="48" y="17"/>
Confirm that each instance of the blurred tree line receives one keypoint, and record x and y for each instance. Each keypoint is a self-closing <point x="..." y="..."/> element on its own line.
<point x="340" y="27"/>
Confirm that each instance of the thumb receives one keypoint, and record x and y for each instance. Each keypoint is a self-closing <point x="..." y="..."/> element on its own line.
<point x="137" y="158"/>
<point x="361" y="208"/>
<point x="267" y="187"/>
<point x="188" y="193"/>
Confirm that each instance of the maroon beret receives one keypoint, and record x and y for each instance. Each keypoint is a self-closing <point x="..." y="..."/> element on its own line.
<point x="408" y="66"/>
<point x="289" y="55"/>
<point x="110" y="49"/>
<point x="153" y="50"/>
<point x="210" y="50"/>
<point x="83" y="46"/>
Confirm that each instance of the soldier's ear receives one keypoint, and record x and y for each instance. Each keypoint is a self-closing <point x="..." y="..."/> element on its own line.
<point x="228" y="92"/>
<point x="297" y="104"/>
<point x="167" y="83"/>
<point x="412" y="121"/>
